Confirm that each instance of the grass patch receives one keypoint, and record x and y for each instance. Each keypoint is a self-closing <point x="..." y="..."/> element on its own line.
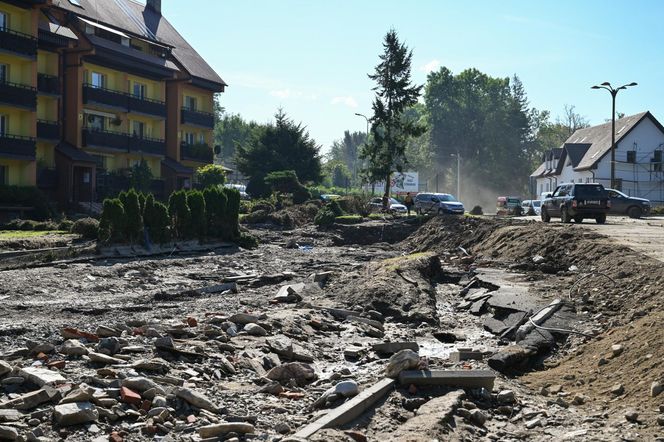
<point x="348" y="219"/>
<point x="26" y="234"/>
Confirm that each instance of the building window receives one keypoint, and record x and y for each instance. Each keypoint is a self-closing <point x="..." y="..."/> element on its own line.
<point x="201" y="138"/>
<point x="657" y="161"/>
<point x="4" y="21"/>
<point x="4" y="73"/>
<point x="631" y="156"/>
<point x="4" y="124"/>
<point x="140" y="90"/>
<point x="190" y="103"/>
<point x="96" y="122"/>
<point x="98" y="80"/>
<point x="3" y="175"/>
<point x="138" y="129"/>
<point x="189" y="138"/>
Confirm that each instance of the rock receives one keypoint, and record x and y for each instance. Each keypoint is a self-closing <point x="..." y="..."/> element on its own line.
<point x="75" y="414"/>
<point x="8" y="433"/>
<point x="224" y="428"/>
<point x="283" y="346"/>
<point x="109" y="346"/>
<point x="142" y="385"/>
<point x="73" y="347"/>
<point x="129" y="396"/>
<point x="46" y="348"/>
<point x="243" y="319"/>
<point x="10" y="415"/>
<point x="617" y="389"/>
<point x="83" y="393"/>
<point x="617" y="350"/>
<point x="344" y="389"/>
<point x="282" y="428"/>
<point x="403" y="360"/>
<point x="33" y="399"/>
<point x="538" y="259"/>
<point x="656" y="388"/>
<point x="4" y="368"/>
<point x="226" y="365"/>
<point x="100" y="358"/>
<point x="41" y="376"/>
<point x="537" y="422"/>
<point x="301" y="373"/>
<point x="389" y="348"/>
<point x="579" y="399"/>
<point x="477" y="417"/>
<point x="272" y="388"/>
<point x="159" y="402"/>
<point x="632" y="415"/>
<point x="660" y="420"/>
<point x="602" y="361"/>
<point x="290" y="293"/>
<point x="155" y="365"/>
<point x="197" y="400"/>
<point x="255" y="329"/>
<point x="506" y="397"/>
<point x="107" y="332"/>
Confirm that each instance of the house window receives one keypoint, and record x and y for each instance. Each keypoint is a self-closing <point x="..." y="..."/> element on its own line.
<point x="4" y="175"/>
<point x="96" y="122"/>
<point x="140" y="90"/>
<point x="98" y="80"/>
<point x="4" y="21"/>
<point x="190" y="103"/>
<point x="189" y="138"/>
<point x="201" y="138"/>
<point x="657" y="161"/>
<point x="4" y="124"/>
<point x="4" y="73"/>
<point x="138" y="129"/>
<point x="631" y="156"/>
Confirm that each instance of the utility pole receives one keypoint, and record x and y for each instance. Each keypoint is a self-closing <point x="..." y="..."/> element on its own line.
<point x="606" y="85"/>
<point x="367" y="141"/>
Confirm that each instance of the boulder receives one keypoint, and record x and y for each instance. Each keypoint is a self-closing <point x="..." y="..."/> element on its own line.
<point x="255" y="329"/>
<point x="196" y="399"/>
<point x="4" y="368"/>
<point x="73" y="347"/>
<point x="8" y="433"/>
<point x="75" y="414"/>
<point x="302" y="374"/>
<point x="656" y="388"/>
<point x="243" y="319"/>
<point x="403" y="360"/>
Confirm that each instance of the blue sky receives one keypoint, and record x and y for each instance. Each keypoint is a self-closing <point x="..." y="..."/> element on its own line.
<point x="312" y="57"/>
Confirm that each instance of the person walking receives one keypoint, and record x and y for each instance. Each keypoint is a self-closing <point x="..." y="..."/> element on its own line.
<point x="409" y="202"/>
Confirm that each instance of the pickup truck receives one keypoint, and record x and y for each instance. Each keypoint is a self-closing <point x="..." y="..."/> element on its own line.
<point x="577" y="202"/>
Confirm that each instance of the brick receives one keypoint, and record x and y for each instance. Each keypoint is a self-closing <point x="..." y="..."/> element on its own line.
<point x="130" y="397"/>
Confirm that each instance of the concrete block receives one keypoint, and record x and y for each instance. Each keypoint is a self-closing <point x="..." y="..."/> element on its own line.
<point x="465" y="355"/>
<point x="449" y="378"/>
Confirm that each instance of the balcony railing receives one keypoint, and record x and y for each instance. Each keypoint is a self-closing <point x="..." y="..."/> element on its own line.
<point x="18" y="42"/>
<point x="18" y="95"/>
<point x="201" y="153"/>
<point x="48" y="84"/>
<point x="48" y="130"/>
<point x="124" y="142"/>
<point x="17" y="146"/>
<point x="124" y="101"/>
<point x="196" y="118"/>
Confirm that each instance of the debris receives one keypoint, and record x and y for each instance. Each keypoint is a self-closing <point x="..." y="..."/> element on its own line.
<point x="72" y="333"/>
<point x="465" y="354"/>
<point x="255" y="330"/>
<point x="8" y="433"/>
<point x="400" y="361"/>
<point x="73" y="347"/>
<point x="100" y="358"/>
<point x="538" y="319"/>
<point x="75" y="414"/>
<point x="129" y="396"/>
<point x="41" y="376"/>
<point x="196" y="399"/>
<point x="33" y="399"/>
<point x="243" y="319"/>
<point x="450" y="378"/>
<point x="224" y="428"/>
<point x="301" y="373"/>
<point x="506" y="397"/>
<point x="632" y="415"/>
<point x="230" y="287"/>
<point x="4" y="368"/>
<point x="617" y="389"/>
<point x="344" y="389"/>
<point x="656" y="388"/>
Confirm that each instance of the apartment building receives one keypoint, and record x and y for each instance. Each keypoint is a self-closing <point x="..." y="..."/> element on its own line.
<point x="89" y="88"/>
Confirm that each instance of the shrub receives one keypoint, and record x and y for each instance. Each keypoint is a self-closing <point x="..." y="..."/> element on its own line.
<point x="257" y="217"/>
<point x="45" y="226"/>
<point x="245" y="207"/>
<point x="286" y="181"/>
<point x="156" y="220"/>
<point x="180" y="214"/>
<point x="232" y="214"/>
<point x="353" y="204"/>
<point x="211" y="175"/>
<point x="65" y="225"/>
<point x="112" y="224"/>
<point x="140" y="176"/>
<point x="27" y="197"/>
<point x="349" y="219"/>
<point x="325" y="217"/>
<point x="88" y="228"/>
<point x="134" y="224"/>
<point x="657" y="210"/>
<point x="141" y="201"/>
<point x="265" y="205"/>
<point x="215" y="207"/>
<point x="199" y="221"/>
<point x="477" y="210"/>
<point x="335" y="208"/>
<point x="247" y="241"/>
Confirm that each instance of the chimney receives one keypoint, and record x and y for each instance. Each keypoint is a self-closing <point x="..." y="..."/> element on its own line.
<point x="155" y="5"/>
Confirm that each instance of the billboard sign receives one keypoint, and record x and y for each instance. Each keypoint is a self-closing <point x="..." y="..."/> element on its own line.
<point x="403" y="182"/>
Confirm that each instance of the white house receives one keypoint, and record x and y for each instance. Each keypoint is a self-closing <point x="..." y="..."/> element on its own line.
<point x="586" y="157"/>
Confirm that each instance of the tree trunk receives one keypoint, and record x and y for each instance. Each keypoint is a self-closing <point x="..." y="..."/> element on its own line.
<point x="386" y="195"/>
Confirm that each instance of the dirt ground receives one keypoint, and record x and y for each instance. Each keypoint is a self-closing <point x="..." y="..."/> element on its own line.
<point x="393" y="281"/>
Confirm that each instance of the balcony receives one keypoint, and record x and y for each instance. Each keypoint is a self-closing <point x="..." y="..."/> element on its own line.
<point x="18" y="43"/>
<point x="48" y="84"/>
<point x="196" y="118"/>
<point x="48" y="130"/>
<point x="201" y="153"/>
<point x="123" y="101"/>
<point x="18" y="95"/>
<point x="123" y="142"/>
<point x="18" y="146"/>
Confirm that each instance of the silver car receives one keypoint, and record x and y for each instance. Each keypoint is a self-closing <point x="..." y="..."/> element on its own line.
<point x="438" y="203"/>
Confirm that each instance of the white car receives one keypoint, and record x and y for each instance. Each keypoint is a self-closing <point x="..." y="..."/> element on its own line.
<point x="534" y="205"/>
<point x="376" y="204"/>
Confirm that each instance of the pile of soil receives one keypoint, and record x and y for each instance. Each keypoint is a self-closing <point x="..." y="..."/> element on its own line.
<point x="288" y="218"/>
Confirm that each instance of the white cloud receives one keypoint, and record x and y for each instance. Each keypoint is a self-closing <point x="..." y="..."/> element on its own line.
<point x="346" y="101"/>
<point x="283" y="93"/>
<point x="431" y="66"/>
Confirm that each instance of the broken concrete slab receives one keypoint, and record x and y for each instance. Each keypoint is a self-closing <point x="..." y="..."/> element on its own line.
<point x="41" y="376"/>
<point x="10" y="415"/>
<point x="349" y="410"/>
<point x="538" y="319"/>
<point x="371" y="322"/>
<point x="75" y="414"/>
<point x="449" y="378"/>
<point x="465" y="355"/>
<point x="33" y="399"/>
<point x="389" y="348"/>
<point x="477" y="294"/>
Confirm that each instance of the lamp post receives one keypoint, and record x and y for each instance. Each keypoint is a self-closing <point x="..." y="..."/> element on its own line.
<point x="458" y="157"/>
<point x="613" y="91"/>
<point x="367" y="141"/>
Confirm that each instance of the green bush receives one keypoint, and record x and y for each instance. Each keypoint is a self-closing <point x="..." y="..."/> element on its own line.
<point x="325" y="217"/>
<point x="180" y="214"/>
<point x="257" y="217"/>
<point x="247" y="241"/>
<point x="335" y="208"/>
<point x="216" y="202"/>
<point x="140" y="176"/>
<point x="264" y="205"/>
<point x="349" y="219"/>
<point x="134" y="224"/>
<point x="245" y="207"/>
<point x="156" y="220"/>
<point x="211" y="175"/>
<point x="353" y="204"/>
<point x="286" y="181"/>
<point x="88" y="228"/>
<point x="232" y="214"/>
<point x="657" y="210"/>
<point x="27" y="197"/>
<point x="65" y="225"/>
<point x="112" y="223"/>
<point x="477" y="210"/>
<point x="196" y="203"/>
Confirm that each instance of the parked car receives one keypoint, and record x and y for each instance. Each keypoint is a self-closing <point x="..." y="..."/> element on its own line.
<point x="508" y="205"/>
<point x="577" y="202"/>
<point x="622" y="204"/>
<point x="329" y="197"/>
<point x="532" y="207"/>
<point x="440" y="203"/>
<point x="376" y="204"/>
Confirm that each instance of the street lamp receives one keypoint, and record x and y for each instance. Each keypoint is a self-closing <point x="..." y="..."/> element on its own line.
<point x="606" y="85"/>
<point x="458" y="157"/>
<point x="367" y="141"/>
